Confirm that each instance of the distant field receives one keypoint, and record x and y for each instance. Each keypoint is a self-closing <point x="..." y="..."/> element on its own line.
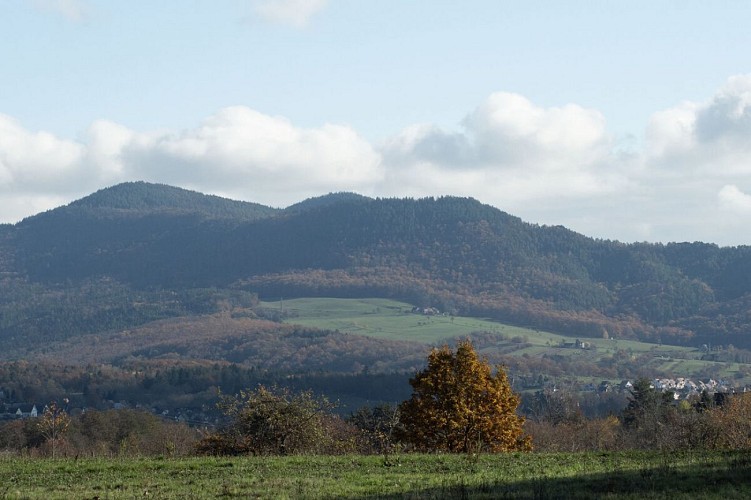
<point x="389" y="319"/>
<point x="632" y="475"/>
<point x="383" y="318"/>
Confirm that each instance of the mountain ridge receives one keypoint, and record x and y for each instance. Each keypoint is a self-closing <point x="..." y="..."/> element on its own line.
<point x="452" y="252"/>
<point x="142" y="198"/>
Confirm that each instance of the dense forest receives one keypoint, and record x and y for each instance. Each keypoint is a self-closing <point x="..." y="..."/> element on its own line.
<point x="139" y="252"/>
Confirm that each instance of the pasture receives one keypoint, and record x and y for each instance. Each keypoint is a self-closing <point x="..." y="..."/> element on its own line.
<point x="641" y="475"/>
<point x="393" y="320"/>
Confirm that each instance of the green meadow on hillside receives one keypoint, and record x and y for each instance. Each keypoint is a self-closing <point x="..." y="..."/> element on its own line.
<point x="384" y="318"/>
<point x="635" y="475"/>
<point x="393" y="320"/>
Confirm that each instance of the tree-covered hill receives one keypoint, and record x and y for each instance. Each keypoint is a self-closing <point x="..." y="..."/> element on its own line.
<point x="141" y="198"/>
<point x="453" y="253"/>
<point x="319" y="201"/>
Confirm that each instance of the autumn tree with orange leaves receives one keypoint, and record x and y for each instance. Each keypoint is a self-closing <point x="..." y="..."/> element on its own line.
<point x="459" y="405"/>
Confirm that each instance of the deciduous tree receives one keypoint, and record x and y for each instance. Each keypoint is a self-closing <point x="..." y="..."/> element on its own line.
<point x="53" y="424"/>
<point x="270" y="421"/>
<point x="378" y="426"/>
<point x="731" y="423"/>
<point x="459" y="405"/>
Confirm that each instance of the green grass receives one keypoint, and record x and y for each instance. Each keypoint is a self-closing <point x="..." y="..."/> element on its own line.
<point x="392" y="320"/>
<point x="640" y="475"/>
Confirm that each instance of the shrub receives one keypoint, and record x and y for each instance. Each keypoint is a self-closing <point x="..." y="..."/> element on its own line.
<point x="270" y="422"/>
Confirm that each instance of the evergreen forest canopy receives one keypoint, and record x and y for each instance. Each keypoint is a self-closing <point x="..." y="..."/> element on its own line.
<point x="138" y="252"/>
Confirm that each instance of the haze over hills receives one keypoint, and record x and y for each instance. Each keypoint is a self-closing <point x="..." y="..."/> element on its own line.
<point x="138" y="252"/>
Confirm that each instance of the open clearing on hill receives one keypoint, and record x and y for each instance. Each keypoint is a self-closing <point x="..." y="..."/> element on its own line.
<point x="386" y="319"/>
<point x="394" y="320"/>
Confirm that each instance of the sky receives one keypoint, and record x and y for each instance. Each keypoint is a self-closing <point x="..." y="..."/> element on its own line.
<point x="620" y="120"/>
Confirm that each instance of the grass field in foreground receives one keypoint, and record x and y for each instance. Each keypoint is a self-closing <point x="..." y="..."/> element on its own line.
<point x="639" y="475"/>
<point x="393" y="320"/>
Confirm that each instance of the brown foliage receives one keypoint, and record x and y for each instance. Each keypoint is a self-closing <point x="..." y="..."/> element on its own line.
<point x="99" y="433"/>
<point x="731" y="423"/>
<point x="246" y="341"/>
<point x="53" y="424"/>
<point x="601" y="434"/>
<point x="459" y="405"/>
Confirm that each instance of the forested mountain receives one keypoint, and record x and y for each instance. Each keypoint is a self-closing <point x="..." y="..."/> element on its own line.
<point x="138" y="252"/>
<point x="140" y="198"/>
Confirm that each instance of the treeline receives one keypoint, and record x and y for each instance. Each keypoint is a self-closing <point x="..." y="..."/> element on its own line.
<point x="651" y="420"/>
<point x="111" y="433"/>
<point x="277" y="420"/>
<point x="194" y="386"/>
<point x="458" y="403"/>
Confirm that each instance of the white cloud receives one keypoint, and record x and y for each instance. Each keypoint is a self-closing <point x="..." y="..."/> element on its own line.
<point x="246" y="152"/>
<point x="727" y="117"/>
<point x="709" y="138"/>
<point x="734" y="200"/>
<point x="106" y="142"/>
<point x="237" y="152"/>
<point x="73" y="10"/>
<point x="295" y="13"/>
<point x="559" y="165"/>
<point x="508" y="129"/>
<point x="671" y="132"/>
<point x="38" y="171"/>
<point x="30" y="159"/>
<point x="508" y="152"/>
<point x="555" y="165"/>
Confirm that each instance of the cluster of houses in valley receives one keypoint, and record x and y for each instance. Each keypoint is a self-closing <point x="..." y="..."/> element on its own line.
<point x="682" y="388"/>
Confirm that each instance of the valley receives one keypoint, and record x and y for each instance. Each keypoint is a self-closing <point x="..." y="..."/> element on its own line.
<point x="393" y="320"/>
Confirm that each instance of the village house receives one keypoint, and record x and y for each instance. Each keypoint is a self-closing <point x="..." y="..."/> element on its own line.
<point x="20" y="411"/>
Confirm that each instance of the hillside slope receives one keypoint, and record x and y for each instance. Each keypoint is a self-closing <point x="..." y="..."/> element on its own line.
<point x="453" y="253"/>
